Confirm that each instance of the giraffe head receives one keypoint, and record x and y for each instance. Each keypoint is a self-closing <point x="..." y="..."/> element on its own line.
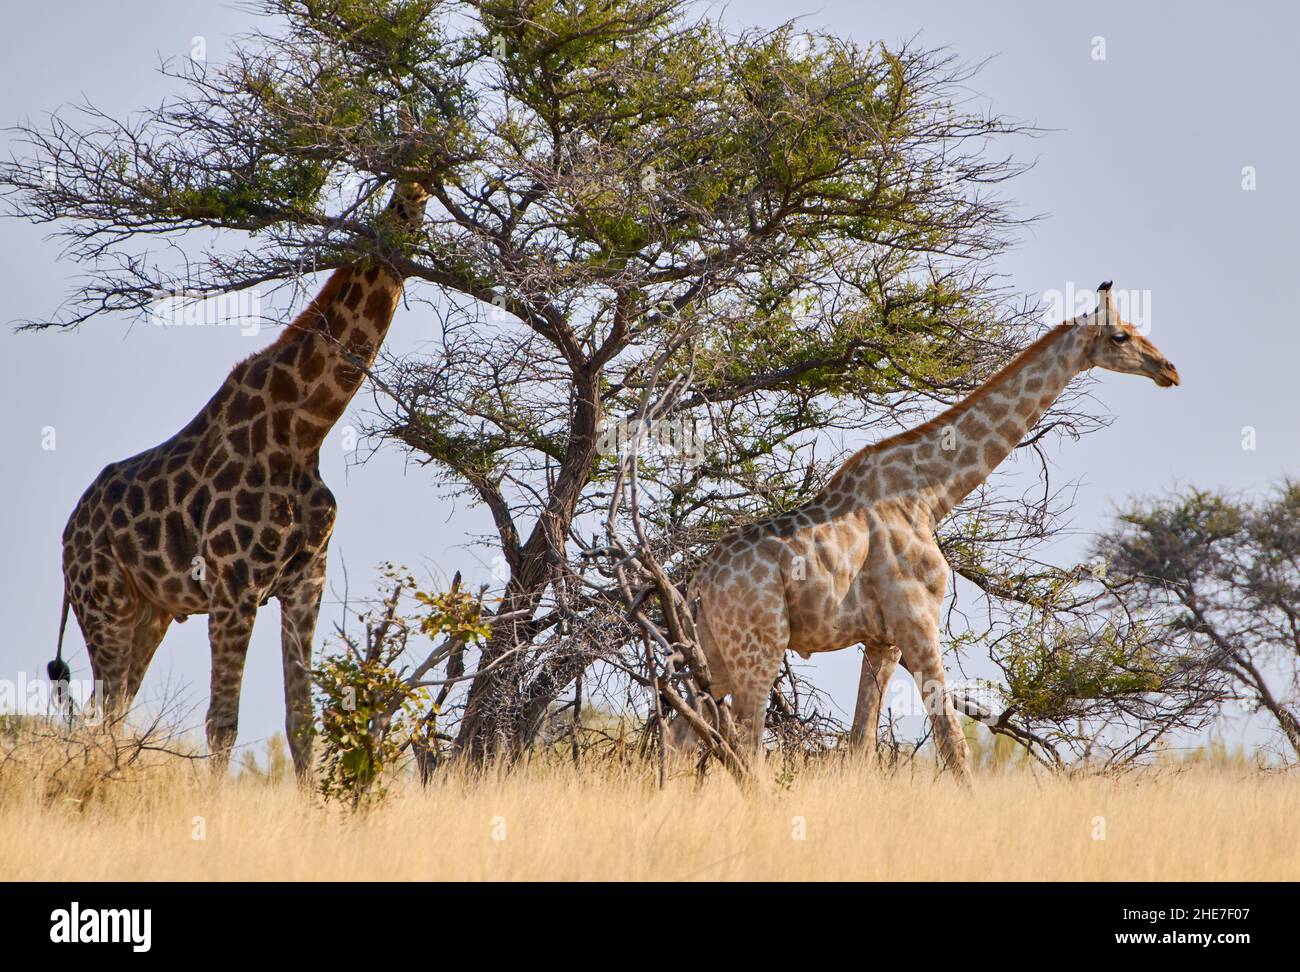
<point x="1116" y="345"/>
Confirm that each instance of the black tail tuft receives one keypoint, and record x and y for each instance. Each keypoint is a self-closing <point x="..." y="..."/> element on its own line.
<point x="58" y="671"/>
<point x="60" y="676"/>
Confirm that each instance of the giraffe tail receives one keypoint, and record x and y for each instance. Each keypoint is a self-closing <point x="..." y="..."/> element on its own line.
<point x="58" y="671"/>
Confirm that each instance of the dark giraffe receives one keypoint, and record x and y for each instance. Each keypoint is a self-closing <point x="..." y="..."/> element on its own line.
<point x="231" y="511"/>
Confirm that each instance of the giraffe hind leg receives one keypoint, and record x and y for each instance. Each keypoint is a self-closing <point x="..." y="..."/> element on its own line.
<point x="745" y="648"/>
<point x="753" y="670"/>
<point x="106" y="608"/>
<point x="150" y="627"/>
<point x="109" y="644"/>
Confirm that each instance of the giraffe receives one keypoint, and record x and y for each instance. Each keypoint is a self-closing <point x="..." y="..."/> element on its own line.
<point x="231" y="511"/>
<point x="858" y="563"/>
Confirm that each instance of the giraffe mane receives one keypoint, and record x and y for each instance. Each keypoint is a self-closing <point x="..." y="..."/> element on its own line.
<point x="953" y="412"/>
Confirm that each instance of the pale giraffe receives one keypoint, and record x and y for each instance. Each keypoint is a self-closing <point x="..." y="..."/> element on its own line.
<point x="231" y="511"/>
<point x="858" y="563"/>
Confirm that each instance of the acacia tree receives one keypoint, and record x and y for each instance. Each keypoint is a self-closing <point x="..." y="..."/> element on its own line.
<point x="789" y="229"/>
<point x="1091" y="673"/>
<point x="1224" y="575"/>
<point x="790" y="232"/>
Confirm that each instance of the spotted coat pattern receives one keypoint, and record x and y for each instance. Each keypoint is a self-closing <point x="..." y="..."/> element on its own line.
<point x="859" y="564"/>
<point x="231" y="511"/>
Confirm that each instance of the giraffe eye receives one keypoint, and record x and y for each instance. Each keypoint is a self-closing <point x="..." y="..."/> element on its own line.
<point x="1119" y="337"/>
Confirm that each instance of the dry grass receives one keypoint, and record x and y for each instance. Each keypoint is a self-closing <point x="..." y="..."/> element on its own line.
<point x="1194" y="823"/>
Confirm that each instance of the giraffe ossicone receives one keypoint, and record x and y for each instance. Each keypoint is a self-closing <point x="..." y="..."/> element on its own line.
<point x="231" y="511"/>
<point x="859" y="564"/>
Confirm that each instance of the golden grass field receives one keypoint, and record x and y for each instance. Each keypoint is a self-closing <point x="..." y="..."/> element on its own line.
<point x="170" y="820"/>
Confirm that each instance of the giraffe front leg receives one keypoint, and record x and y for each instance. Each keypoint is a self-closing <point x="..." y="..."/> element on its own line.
<point x="230" y="625"/>
<point x="299" y="609"/>
<point x="877" y="669"/>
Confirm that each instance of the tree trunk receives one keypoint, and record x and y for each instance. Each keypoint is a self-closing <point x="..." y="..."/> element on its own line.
<point x="499" y="712"/>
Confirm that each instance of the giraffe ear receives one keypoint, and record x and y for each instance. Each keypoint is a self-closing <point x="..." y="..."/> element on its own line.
<point x="1106" y="304"/>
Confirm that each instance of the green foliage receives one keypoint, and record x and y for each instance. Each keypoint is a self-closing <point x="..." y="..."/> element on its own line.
<point x="276" y="186"/>
<point x="456" y="613"/>
<point x="1223" y="573"/>
<point x="1061" y="677"/>
<point x="1169" y="542"/>
<point x="371" y="708"/>
<point x="343" y="74"/>
<point x="360" y="698"/>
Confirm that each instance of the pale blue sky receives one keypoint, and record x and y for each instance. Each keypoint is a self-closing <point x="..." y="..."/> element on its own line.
<point x="1140" y="177"/>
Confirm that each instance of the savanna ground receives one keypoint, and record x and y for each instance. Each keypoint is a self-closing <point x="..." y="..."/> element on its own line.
<point x="164" y="817"/>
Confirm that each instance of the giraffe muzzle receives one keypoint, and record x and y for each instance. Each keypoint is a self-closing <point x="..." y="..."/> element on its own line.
<point x="1163" y="373"/>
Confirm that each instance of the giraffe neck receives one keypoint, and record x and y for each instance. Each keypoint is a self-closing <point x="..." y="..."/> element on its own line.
<point x="315" y="374"/>
<point x="292" y="393"/>
<point x="943" y="460"/>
